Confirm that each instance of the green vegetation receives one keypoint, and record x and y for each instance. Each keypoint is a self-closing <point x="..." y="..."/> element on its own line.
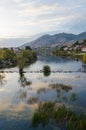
<point x="71" y="54"/>
<point x="25" y="58"/>
<point x="57" y="114"/>
<point x="64" y="93"/>
<point x="23" y="81"/>
<point x="43" y="114"/>
<point x="2" y="79"/>
<point x="57" y="86"/>
<point x="46" y="70"/>
<point x="9" y="58"/>
<point x="73" y="97"/>
<point x="50" y="112"/>
<point x="75" y="50"/>
<point x="84" y="58"/>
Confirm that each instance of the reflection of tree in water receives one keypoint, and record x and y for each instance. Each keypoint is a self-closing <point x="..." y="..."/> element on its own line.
<point x="84" y="67"/>
<point x="64" y="92"/>
<point x="2" y="79"/>
<point x="22" y="94"/>
<point x="23" y="81"/>
<point x="47" y="74"/>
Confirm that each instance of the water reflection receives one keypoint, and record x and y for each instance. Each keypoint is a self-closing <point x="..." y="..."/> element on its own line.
<point x="43" y="90"/>
<point x="24" y="81"/>
<point x="65" y="93"/>
<point x="2" y="79"/>
<point x="21" y="94"/>
<point x="33" y="100"/>
<point x="47" y="73"/>
<point x="84" y="67"/>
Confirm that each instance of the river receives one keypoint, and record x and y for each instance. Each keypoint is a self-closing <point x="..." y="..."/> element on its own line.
<point x="19" y="100"/>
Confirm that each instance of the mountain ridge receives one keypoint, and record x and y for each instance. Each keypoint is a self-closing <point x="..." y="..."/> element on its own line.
<point x="48" y="40"/>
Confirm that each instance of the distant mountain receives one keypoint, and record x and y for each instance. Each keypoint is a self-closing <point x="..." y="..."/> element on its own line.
<point x="81" y="36"/>
<point x="48" y="40"/>
<point x="16" y="42"/>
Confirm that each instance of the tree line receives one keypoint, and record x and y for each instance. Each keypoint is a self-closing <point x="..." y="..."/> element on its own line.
<point x="21" y="58"/>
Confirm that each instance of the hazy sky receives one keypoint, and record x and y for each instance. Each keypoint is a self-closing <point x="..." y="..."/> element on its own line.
<point x="19" y="18"/>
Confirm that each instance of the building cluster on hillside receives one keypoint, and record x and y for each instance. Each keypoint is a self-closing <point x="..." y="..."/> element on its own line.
<point x="77" y="46"/>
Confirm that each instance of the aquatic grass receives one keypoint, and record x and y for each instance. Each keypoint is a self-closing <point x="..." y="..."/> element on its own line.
<point x="48" y="112"/>
<point x="33" y="100"/>
<point x="60" y="87"/>
<point x="73" y="97"/>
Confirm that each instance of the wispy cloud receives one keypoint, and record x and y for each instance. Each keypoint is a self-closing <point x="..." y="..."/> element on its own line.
<point x="29" y="17"/>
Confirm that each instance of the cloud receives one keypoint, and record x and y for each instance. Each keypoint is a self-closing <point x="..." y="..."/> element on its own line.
<point x="29" y="17"/>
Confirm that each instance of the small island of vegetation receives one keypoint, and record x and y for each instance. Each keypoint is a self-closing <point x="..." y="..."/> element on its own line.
<point x="46" y="70"/>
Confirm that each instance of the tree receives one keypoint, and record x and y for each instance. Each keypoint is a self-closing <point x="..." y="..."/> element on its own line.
<point x="28" y="48"/>
<point x="7" y="56"/>
<point x="25" y="58"/>
<point x="46" y="70"/>
<point x="21" y="62"/>
<point x="84" y="58"/>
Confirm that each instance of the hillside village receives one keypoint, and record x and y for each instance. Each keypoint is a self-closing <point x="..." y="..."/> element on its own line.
<point x="78" y="47"/>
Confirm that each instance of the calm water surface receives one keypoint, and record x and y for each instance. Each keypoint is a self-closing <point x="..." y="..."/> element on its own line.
<point x="19" y="100"/>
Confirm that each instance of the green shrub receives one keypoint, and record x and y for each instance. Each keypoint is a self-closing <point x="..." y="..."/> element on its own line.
<point x="46" y="70"/>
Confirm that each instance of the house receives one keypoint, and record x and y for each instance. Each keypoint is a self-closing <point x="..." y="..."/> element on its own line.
<point x="66" y="48"/>
<point x="83" y="49"/>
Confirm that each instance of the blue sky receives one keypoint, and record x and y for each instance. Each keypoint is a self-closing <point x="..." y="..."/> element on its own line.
<point x="23" y="18"/>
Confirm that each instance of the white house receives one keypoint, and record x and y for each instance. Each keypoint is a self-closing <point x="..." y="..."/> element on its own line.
<point x="84" y="49"/>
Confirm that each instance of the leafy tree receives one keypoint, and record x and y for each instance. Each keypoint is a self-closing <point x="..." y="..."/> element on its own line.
<point x="28" y="48"/>
<point x="46" y="70"/>
<point x="84" y="58"/>
<point x="25" y="58"/>
<point x="7" y="55"/>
